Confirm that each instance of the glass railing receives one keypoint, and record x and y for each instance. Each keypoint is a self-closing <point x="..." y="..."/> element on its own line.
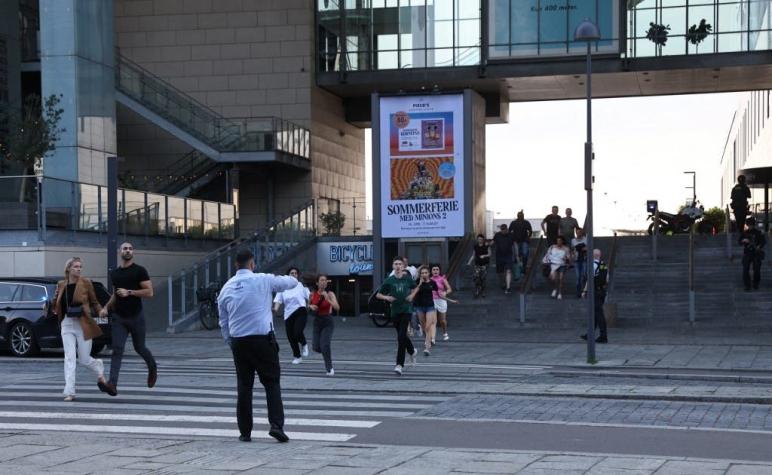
<point x="42" y="203"/>
<point x="223" y="134"/>
<point x="268" y="245"/>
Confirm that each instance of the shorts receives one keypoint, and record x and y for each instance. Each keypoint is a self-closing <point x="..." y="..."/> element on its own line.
<point x="504" y="264"/>
<point x="560" y="270"/>
<point x="441" y="305"/>
<point x="424" y="309"/>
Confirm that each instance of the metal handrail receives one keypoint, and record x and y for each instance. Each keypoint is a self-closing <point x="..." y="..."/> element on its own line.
<point x="692" y="309"/>
<point x="525" y="288"/>
<point x="612" y="264"/>
<point x="457" y="259"/>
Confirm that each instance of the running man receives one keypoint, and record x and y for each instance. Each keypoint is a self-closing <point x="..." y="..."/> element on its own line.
<point x="395" y="290"/>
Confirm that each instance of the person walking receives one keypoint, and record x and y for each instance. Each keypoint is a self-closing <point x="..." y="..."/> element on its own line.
<point x="481" y="258"/>
<point x="395" y="290"/>
<point x="295" y="302"/>
<point x="550" y="226"/>
<point x="579" y="258"/>
<point x="600" y="277"/>
<point x="323" y="302"/>
<point x="504" y="245"/>
<point x="568" y="226"/>
<point x="739" y="202"/>
<point x="74" y="302"/>
<point x="753" y="241"/>
<point x="440" y="302"/>
<point x="422" y="297"/>
<point x="558" y="256"/>
<point x="521" y="231"/>
<point x="415" y="326"/>
<point x="132" y="284"/>
<point x="246" y="323"/>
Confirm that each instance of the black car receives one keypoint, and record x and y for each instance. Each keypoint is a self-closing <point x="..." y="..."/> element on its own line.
<point x="27" y="320"/>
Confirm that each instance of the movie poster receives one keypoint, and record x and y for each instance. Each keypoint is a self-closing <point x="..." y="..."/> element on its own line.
<point x="422" y="166"/>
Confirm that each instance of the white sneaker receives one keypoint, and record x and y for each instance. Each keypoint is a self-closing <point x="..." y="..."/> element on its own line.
<point x="331" y="372"/>
<point x="297" y="360"/>
<point x="560" y="296"/>
<point x="305" y="350"/>
<point x="445" y="337"/>
<point x="554" y="293"/>
<point x="398" y="369"/>
<point x="413" y="356"/>
<point x="426" y="353"/>
<point x="433" y="342"/>
<point x="420" y="332"/>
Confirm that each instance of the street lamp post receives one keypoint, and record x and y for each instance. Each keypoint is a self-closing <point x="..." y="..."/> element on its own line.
<point x="588" y="32"/>
<point x="693" y="187"/>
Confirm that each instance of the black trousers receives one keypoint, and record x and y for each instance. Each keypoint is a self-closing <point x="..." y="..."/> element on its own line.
<point x="401" y="322"/>
<point x="121" y="328"/>
<point x="740" y="213"/>
<point x="257" y="354"/>
<point x="748" y="261"/>
<point x="294" y="325"/>
<point x="600" y="317"/>
<point x="322" y="343"/>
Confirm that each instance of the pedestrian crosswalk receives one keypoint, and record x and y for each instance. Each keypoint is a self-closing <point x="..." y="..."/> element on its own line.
<point x="195" y="410"/>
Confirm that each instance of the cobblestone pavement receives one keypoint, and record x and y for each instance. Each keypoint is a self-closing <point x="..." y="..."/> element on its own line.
<point x="35" y="453"/>
<point x="755" y="417"/>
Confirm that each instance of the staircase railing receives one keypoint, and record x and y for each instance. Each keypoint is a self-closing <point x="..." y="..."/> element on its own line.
<point x="527" y="279"/>
<point x="268" y="245"/>
<point x="458" y="258"/>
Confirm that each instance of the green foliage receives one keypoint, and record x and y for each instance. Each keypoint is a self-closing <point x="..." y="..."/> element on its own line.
<point x="657" y="34"/>
<point x="333" y="222"/>
<point x="32" y="132"/>
<point x="716" y="218"/>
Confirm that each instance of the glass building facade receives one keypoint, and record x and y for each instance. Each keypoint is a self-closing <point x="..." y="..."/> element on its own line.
<point x="368" y="35"/>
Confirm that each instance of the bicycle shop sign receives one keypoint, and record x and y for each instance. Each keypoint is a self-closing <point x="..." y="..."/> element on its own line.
<point x="345" y="258"/>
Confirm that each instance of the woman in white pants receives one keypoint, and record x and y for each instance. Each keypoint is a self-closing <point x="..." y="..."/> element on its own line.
<point x="74" y="304"/>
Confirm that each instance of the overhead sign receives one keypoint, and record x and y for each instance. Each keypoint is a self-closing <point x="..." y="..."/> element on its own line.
<point x="345" y="258"/>
<point x="422" y="166"/>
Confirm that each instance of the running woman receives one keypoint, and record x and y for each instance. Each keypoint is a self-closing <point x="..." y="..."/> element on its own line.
<point x="323" y="302"/>
<point x="295" y="302"/>
<point x="440" y="299"/>
<point x="395" y="290"/>
<point x="422" y="297"/>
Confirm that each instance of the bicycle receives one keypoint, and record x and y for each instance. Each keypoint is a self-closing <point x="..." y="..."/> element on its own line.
<point x="207" y="305"/>
<point x="378" y="310"/>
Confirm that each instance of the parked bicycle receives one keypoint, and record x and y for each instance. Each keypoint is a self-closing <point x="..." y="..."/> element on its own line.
<point x="207" y="305"/>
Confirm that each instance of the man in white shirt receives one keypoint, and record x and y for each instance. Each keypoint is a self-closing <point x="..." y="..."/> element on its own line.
<point x="246" y="323"/>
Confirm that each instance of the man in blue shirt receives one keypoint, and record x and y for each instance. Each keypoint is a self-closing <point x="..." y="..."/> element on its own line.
<point x="246" y="321"/>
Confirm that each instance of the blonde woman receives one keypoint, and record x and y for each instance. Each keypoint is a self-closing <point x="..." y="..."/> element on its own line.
<point x="74" y="304"/>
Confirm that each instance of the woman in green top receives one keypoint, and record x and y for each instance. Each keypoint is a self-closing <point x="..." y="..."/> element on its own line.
<point x="395" y="290"/>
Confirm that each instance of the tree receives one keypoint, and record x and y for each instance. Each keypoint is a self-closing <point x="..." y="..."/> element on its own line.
<point x="657" y="34"/>
<point x="32" y="132"/>
<point x="697" y="34"/>
<point x="333" y="222"/>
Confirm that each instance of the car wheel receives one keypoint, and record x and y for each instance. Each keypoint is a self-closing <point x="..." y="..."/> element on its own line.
<point x="22" y="340"/>
<point x="97" y="348"/>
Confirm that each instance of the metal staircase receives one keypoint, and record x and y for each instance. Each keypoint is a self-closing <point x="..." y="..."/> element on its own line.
<point x="273" y="246"/>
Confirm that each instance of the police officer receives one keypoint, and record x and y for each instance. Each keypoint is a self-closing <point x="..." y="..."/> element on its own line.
<point x="600" y="272"/>
<point x="753" y="242"/>
<point x="246" y="321"/>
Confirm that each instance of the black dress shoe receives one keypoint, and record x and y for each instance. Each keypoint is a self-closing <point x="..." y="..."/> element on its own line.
<point x="279" y="435"/>
<point x="583" y="337"/>
<point x="245" y="438"/>
<point x="601" y="339"/>
<point x="152" y="377"/>
<point x="108" y="388"/>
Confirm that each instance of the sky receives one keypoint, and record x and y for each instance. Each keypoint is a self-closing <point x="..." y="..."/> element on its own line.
<point x="642" y="147"/>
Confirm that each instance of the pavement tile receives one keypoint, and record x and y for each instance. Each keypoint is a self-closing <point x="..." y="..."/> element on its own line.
<point x="679" y="467"/>
<point x="490" y="467"/>
<point x="102" y="464"/>
<point x="226" y="461"/>
<point x="137" y="452"/>
<point x="748" y="469"/>
<point x="271" y="471"/>
<point x="177" y="457"/>
<point x="342" y="470"/>
<point x="65" y="454"/>
<point x="23" y="450"/>
<point x="566" y="462"/>
<point x="631" y="463"/>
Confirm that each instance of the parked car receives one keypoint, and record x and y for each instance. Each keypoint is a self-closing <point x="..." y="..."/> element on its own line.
<point x="27" y="320"/>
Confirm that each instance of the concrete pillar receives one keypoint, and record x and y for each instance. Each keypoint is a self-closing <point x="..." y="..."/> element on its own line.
<point x="77" y="61"/>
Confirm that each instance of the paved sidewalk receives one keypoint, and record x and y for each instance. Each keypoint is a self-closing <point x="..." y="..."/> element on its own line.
<point x="35" y="452"/>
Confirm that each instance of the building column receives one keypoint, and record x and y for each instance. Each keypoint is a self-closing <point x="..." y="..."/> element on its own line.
<point x="77" y="63"/>
<point x="766" y="206"/>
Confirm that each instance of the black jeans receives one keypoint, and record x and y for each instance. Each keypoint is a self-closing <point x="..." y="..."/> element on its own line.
<point x="401" y="322"/>
<point x="257" y="353"/>
<point x="600" y="317"/>
<point x="295" y="325"/>
<point x="748" y="261"/>
<point x="121" y="328"/>
<point x="323" y="328"/>
<point x="740" y="213"/>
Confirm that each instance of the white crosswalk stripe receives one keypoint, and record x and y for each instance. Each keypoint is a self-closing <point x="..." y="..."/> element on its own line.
<point x="176" y="410"/>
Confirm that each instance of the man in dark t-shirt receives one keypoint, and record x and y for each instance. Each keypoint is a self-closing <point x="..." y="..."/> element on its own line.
<point x="504" y="243"/>
<point x="521" y="231"/>
<point x="550" y="225"/>
<point x="131" y="283"/>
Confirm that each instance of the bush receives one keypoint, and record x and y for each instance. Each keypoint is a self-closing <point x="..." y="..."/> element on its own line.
<point x="716" y="218"/>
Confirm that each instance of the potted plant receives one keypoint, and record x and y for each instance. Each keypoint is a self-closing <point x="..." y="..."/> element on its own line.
<point x="697" y="34"/>
<point x="657" y="34"/>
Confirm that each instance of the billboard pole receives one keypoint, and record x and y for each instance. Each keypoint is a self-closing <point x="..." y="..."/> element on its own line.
<point x="112" y="218"/>
<point x="378" y="251"/>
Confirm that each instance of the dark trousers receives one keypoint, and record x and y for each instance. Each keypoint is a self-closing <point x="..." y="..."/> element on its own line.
<point x="257" y="353"/>
<point x="295" y="325"/>
<point x="401" y="322"/>
<point x="600" y="317"/>
<point x="121" y="328"/>
<point x="740" y="213"/>
<point x="748" y="261"/>
<point x="322" y="343"/>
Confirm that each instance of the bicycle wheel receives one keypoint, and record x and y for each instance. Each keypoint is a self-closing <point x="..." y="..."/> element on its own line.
<point x="380" y="320"/>
<point x="207" y="313"/>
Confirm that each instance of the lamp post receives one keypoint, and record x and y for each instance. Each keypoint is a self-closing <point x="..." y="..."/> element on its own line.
<point x="693" y="187"/>
<point x="588" y="32"/>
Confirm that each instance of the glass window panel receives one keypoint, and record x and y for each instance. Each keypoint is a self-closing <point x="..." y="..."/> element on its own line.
<point x="134" y="214"/>
<point x="412" y="58"/>
<point x="522" y="21"/>
<point x="195" y="224"/>
<point x="498" y="51"/>
<point x="211" y="221"/>
<point x="729" y="18"/>
<point x="33" y="293"/>
<point x="443" y="34"/>
<point x="468" y="33"/>
<point x="676" y="19"/>
<point x="7" y="291"/>
<point x="176" y="216"/>
<point x="467" y="56"/>
<point x="387" y="60"/>
<point x="440" y="9"/>
<point x="440" y="57"/>
<point x="156" y="214"/>
<point x="729" y="42"/>
<point x="498" y="15"/>
<point x="227" y="221"/>
<point x="467" y="9"/>
<point x="89" y="208"/>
